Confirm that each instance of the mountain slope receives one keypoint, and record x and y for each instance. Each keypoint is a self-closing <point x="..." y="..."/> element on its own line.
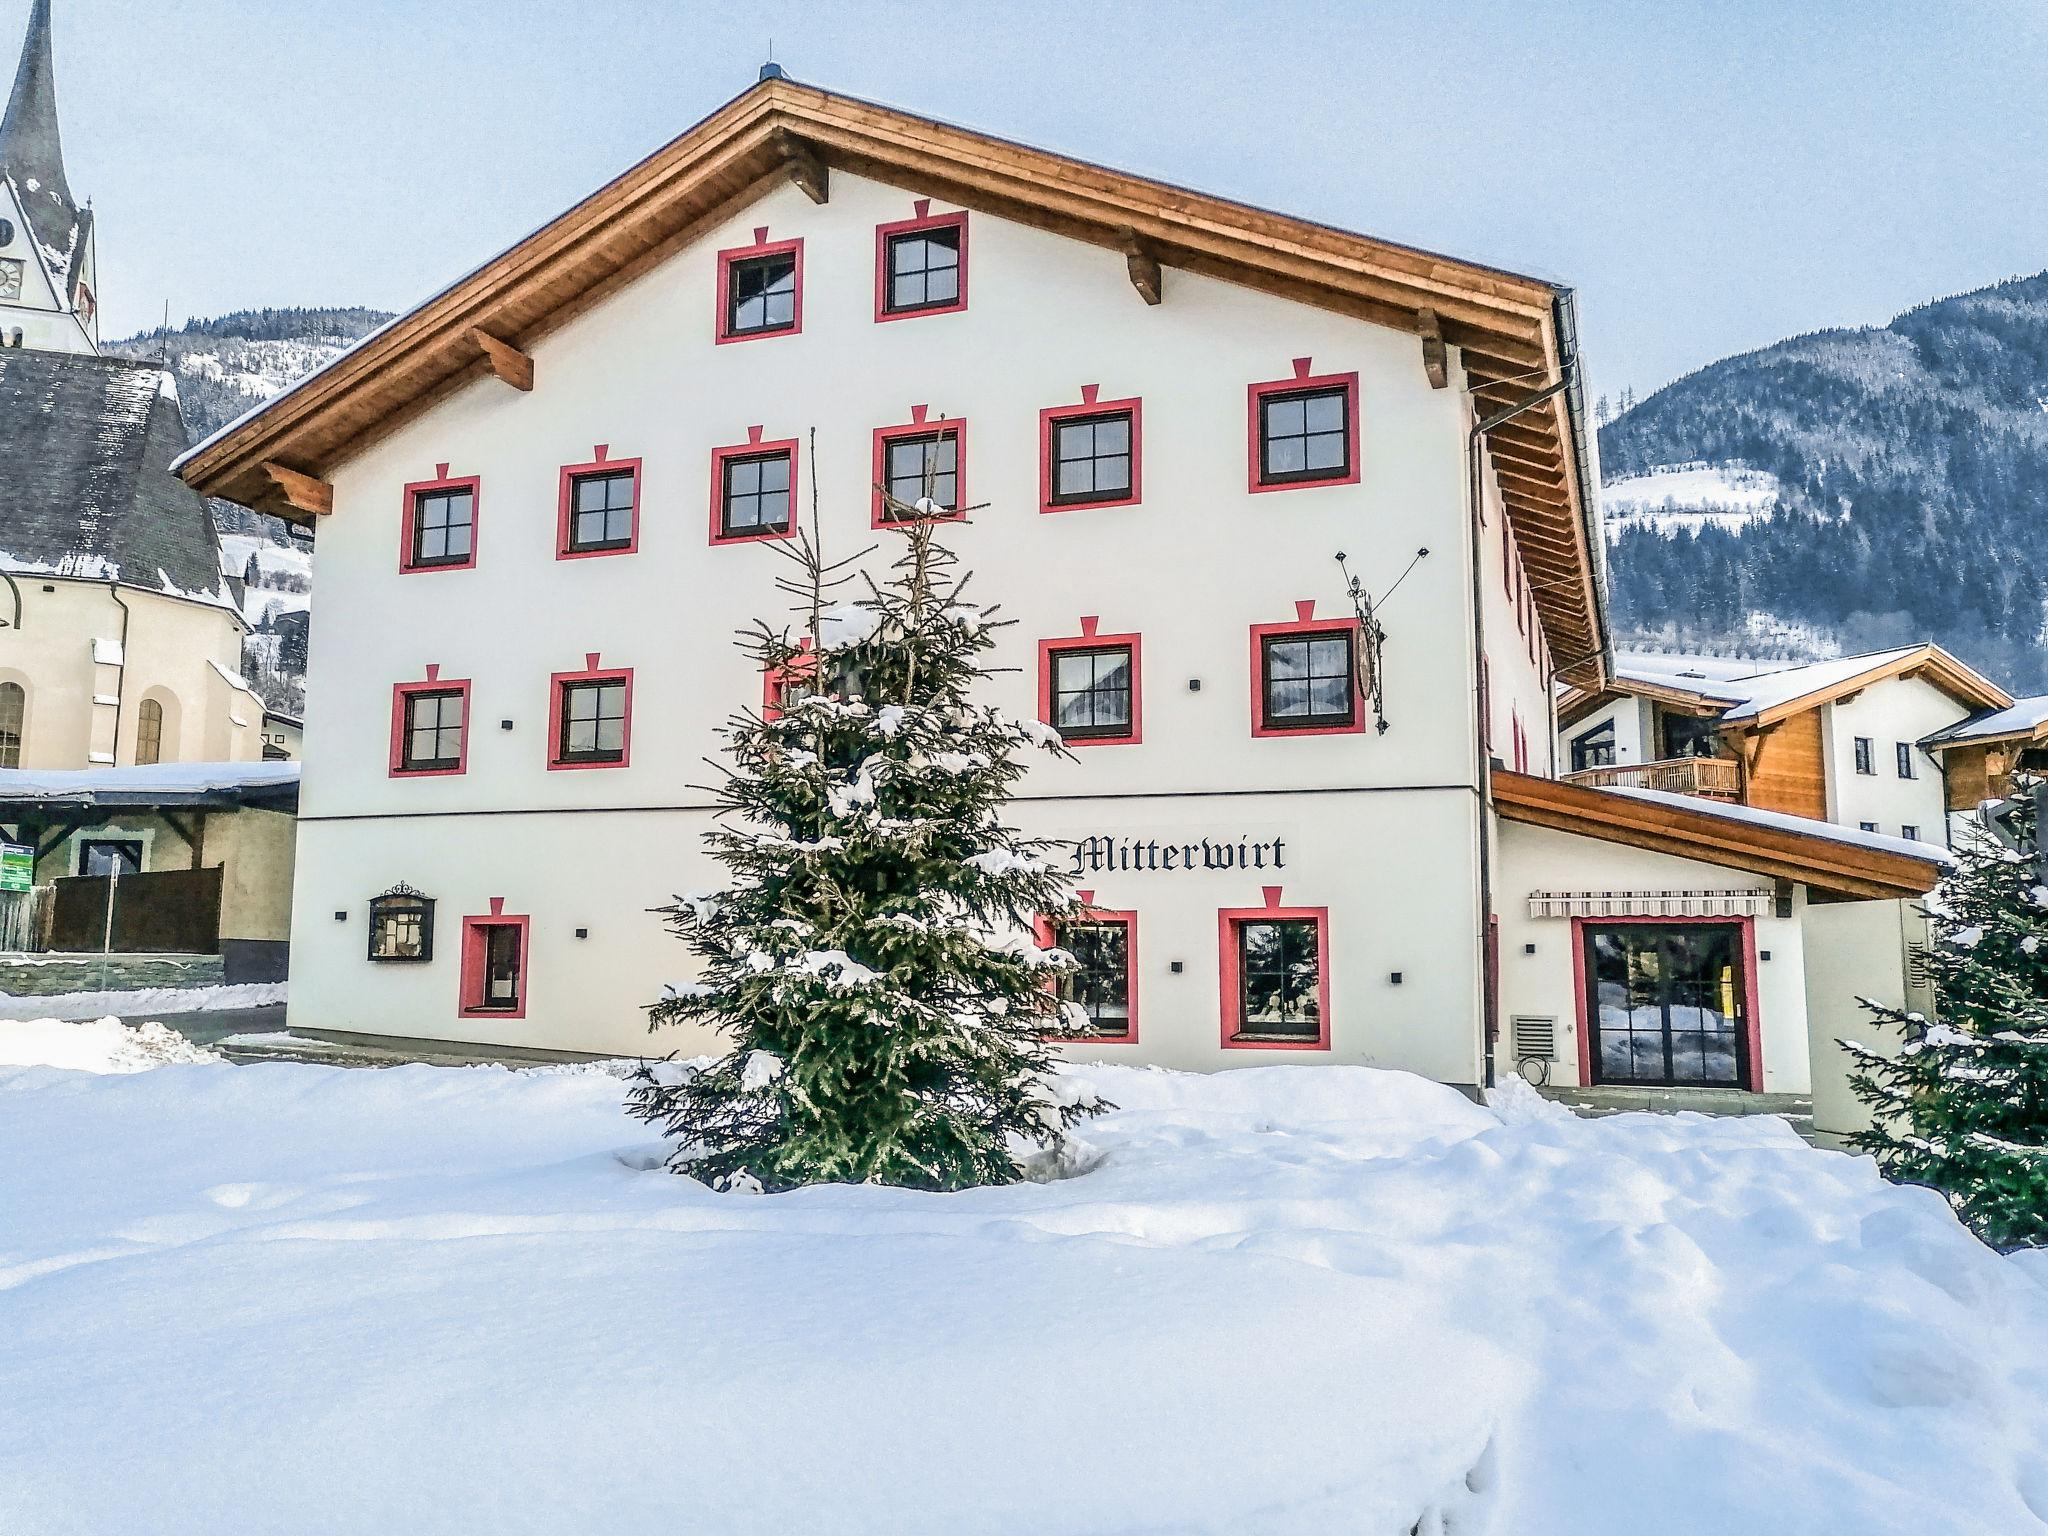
<point x="223" y="367"/>
<point x="1898" y="481"/>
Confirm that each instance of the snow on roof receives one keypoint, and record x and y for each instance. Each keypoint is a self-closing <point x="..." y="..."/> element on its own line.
<point x="1780" y="821"/>
<point x="2020" y="719"/>
<point x="171" y="780"/>
<point x="1750" y="688"/>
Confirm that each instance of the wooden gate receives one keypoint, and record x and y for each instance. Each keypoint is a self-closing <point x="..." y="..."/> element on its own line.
<point x="168" y="911"/>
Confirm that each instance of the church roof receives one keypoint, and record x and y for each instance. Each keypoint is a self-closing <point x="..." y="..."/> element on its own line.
<point x="32" y="156"/>
<point x="86" y="490"/>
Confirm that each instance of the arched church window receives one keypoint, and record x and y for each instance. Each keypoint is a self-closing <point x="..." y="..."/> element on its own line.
<point x="13" y="713"/>
<point x="149" y="732"/>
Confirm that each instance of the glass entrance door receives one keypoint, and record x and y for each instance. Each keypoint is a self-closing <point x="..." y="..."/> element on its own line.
<point x="1667" y="1004"/>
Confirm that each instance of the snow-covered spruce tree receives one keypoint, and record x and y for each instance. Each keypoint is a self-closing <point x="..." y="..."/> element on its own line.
<point x="869" y="958"/>
<point x="1963" y="1107"/>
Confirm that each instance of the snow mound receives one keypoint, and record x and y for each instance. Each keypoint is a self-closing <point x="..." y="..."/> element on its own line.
<point x="142" y="1000"/>
<point x="98" y="1045"/>
<point x="1277" y="1300"/>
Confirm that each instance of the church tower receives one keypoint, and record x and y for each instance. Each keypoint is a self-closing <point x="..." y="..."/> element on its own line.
<point x="47" y="277"/>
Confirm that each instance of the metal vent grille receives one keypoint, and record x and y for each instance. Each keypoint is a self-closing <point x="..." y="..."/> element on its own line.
<point x="1917" y="974"/>
<point x="1535" y="1037"/>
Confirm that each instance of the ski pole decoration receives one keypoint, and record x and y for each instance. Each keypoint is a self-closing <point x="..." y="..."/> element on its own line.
<point x="1372" y="636"/>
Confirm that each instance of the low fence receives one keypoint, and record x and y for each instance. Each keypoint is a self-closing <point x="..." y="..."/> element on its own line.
<point x="166" y="911"/>
<point x="25" y="920"/>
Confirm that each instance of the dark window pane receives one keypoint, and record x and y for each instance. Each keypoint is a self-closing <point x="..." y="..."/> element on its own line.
<point x="1100" y="983"/>
<point x="443" y="522"/>
<point x="1091" y="692"/>
<point x="1092" y="458"/>
<point x="924" y="269"/>
<point x="761" y="294"/>
<point x="912" y="462"/>
<point x="1308" y="681"/>
<point x="756" y="498"/>
<point x="1305" y="435"/>
<point x="1279" y="970"/>
<point x="433" y="729"/>
<point x="593" y="727"/>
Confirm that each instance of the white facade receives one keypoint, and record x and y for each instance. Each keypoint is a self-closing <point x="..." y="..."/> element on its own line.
<point x="1893" y="716"/>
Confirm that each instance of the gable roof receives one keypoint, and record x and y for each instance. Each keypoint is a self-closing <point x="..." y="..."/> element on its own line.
<point x="1742" y="694"/>
<point x="85" y="482"/>
<point x="2025" y="720"/>
<point x="1514" y="332"/>
<point x="1835" y="861"/>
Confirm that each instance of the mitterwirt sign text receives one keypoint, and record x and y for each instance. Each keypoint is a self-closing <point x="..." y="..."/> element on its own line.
<point x="1102" y="855"/>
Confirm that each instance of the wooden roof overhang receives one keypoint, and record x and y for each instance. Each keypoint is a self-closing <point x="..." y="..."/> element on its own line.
<point x="2019" y="736"/>
<point x="1829" y="867"/>
<point x="1507" y="327"/>
<point x="1930" y="662"/>
<point x="1578" y="703"/>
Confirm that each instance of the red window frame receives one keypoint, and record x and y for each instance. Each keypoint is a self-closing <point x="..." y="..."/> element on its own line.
<point x="1752" y="1023"/>
<point x="1045" y="931"/>
<point x="442" y="481"/>
<point x="921" y="424"/>
<point x="753" y="448"/>
<point x="1228" y="921"/>
<point x="1090" y="640"/>
<point x="400" y="692"/>
<point x="1303" y="623"/>
<point x="601" y="463"/>
<point x="591" y="673"/>
<point x="722" y="299"/>
<point x="921" y="219"/>
<point x="468" y="1002"/>
<point x="1303" y="379"/>
<point x="802" y="665"/>
<point x="1049" y="420"/>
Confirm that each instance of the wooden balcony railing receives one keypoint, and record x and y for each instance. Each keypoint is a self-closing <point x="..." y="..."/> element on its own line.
<point x="1717" y="778"/>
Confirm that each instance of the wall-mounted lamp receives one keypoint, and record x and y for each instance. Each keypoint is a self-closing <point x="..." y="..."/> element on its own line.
<point x="582" y="933"/>
<point x="1178" y="966"/>
<point x="341" y="917"/>
<point x="1528" y="949"/>
<point x="1194" y="685"/>
<point x="1395" y="979"/>
<point x="504" y="725"/>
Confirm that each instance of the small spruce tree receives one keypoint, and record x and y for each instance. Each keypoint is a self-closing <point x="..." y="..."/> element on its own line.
<point x="890" y="1020"/>
<point x="1963" y="1107"/>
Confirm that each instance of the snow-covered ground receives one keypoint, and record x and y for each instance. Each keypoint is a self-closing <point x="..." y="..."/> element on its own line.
<point x="1287" y="1299"/>
<point x="138" y="1001"/>
<point x="1692" y="496"/>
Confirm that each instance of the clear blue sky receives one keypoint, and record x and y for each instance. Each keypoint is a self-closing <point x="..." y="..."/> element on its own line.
<point x="1710" y="176"/>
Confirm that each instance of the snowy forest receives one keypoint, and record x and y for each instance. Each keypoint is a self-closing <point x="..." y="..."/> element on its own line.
<point x="1912" y="470"/>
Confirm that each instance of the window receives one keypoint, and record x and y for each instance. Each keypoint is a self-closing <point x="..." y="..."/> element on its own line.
<point x="1088" y="688"/>
<point x="1103" y="982"/>
<point x="1276" y="984"/>
<point x="440" y="524"/>
<point x="921" y="265"/>
<point x="1904" y="758"/>
<point x="1089" y="454"/>
<point x="1304" y="431"/>
<point x="1689" y="736"/>
<point x="1866" y="826"/>
<point x="494" y="963"/>
<point x="1594" y="748"/>
<point x="434" y="729"/>
<point x="1305" y="680"/>
<point x="593" y="718"/>
<point x="13" y="723"/>
<point x="917" y="461"/>
<point x="149" y="732"/>
<point x="754" y="495"/>
<point x="402" y="925"/>
<point x="1866" y="758"/>
<point x="1668" y="1005"/>
<point x="110" y="855"/>
<point x="761" y="289"/>
<point x="1909" y="832"/>
<point x="599" y="510"/>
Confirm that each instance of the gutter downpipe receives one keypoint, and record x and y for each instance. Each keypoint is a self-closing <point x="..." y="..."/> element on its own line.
<point x="120" y="672"/>
<point x="1567" y="384"/>
<point x="8" y="577"/>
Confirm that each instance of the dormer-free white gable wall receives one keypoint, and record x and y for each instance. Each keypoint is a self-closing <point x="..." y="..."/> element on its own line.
<point x="1382" y="829"/>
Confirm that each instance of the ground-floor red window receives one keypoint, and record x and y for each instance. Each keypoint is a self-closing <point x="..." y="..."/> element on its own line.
<point x="1668" y="1004"/>
<point x="1104" y="981"/>
<point x="1276" y="976"/>
<point x="494" y="964"/>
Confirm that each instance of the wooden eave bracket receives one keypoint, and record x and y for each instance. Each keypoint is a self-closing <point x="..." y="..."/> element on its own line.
<point x="805" y="166"/>
<point x="1435" y="366"/>
<point x="506" y="361"/>
<point x="1143" y="264"/>
<point x="303" y="492"/>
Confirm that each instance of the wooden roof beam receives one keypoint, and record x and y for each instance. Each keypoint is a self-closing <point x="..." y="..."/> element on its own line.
<point x="1435" y="366"/>
<point x="505" y="360"/>
<point x="302" y="492"/>
<point x="805" y="167"/>
<point x="1142" y="262"/>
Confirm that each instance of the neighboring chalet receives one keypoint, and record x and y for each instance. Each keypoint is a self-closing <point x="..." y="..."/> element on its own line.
<point x="1852" y="740"/>
<point x="1980" y="756"/>
<point x="548" y="498"/>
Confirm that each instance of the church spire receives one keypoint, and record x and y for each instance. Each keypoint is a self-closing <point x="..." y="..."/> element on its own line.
<point x="30" y="150"/>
